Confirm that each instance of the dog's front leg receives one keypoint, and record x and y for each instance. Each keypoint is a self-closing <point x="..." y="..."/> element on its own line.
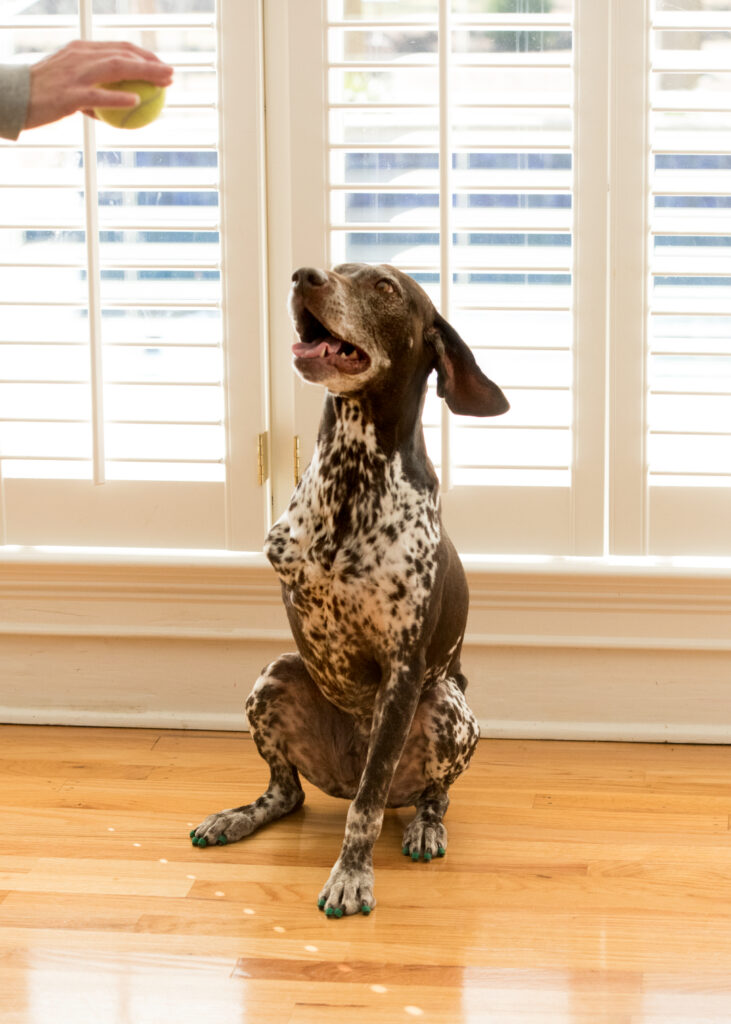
<point x="349" y="889"/>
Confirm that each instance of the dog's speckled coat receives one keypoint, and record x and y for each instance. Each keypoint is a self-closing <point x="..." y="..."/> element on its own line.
<point x="372" y="708"/>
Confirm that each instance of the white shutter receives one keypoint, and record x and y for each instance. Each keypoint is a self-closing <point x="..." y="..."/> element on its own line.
<point x="116" y="411"/>
<point x="689" y="359"/>
<point x="452" y="145"/>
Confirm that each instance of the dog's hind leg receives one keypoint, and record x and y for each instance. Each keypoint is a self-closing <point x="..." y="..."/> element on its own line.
<point x="425" y="836"/>
<point x="295" y="729"/>
<point x="442" y="740"/>
<point x="284" y="793"/>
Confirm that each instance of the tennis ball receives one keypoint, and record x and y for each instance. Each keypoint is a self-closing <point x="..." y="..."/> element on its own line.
<point x="152" y="100"/>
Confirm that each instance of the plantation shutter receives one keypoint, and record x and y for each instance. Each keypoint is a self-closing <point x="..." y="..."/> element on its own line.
<point x="689" y="361"/>
<point x="126" y="395"/>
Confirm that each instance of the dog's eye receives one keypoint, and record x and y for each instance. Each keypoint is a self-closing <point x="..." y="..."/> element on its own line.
<point x="384" y="285"/>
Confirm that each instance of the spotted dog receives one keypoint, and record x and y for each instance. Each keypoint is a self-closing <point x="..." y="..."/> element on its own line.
<point x="372" y="706"/>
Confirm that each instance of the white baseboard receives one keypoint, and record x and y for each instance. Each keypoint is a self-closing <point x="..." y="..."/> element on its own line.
<point x="123" y="720"/>
<point x="612" y="732"/>
<point x="606" y="732"/>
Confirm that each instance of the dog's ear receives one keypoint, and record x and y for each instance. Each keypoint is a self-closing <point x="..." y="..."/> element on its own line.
<point x="460" y="381"/>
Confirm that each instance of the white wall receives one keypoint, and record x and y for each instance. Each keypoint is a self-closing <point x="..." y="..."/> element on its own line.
<point x="561" y="649"/>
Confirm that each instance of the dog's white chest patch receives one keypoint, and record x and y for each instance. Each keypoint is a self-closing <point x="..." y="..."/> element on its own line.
<point x="356" y="553"/>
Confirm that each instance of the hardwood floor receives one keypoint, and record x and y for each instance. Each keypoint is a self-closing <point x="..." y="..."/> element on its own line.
<point x="584" y="884"/>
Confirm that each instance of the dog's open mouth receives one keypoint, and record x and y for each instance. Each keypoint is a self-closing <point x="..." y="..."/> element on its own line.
<point x="318" y="343"/>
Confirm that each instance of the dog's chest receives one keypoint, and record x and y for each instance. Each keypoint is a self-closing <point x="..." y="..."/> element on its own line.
<point x="356" y="553"/>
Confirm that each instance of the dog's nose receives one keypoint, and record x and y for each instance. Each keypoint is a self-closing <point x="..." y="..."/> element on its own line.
<point x="309" y="277"/>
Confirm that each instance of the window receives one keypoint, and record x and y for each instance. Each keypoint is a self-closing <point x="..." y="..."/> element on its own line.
<point x="554" y="172"/>
<point x="114" y="404"/>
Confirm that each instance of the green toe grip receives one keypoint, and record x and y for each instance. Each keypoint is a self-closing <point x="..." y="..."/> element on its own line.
<point x="192" y="833"/>
<point x="330" y="911"/>
<point x="194" y="840"/>
<point x="405" y="850"/>
<point x="202" y="842"/>
<point x="338" y="912"/>
<point x="415" y="855"/>
<point x="427" y="855"/>
<point x="321" y="903"/>
<point x="222" y="840"/>
<point x="442" y="851"/>
<point x="365" y="909"/>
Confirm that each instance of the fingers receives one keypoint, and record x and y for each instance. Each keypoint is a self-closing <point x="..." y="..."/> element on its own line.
<point x="116" y="67"/>
<point x="108" y="98"/>
<point x="112" y="46"/>
<point x="110" y="61"/>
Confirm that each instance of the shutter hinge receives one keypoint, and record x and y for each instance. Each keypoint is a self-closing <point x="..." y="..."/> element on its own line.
<point x="296" y="453"/>
<point x="262" y="458"/>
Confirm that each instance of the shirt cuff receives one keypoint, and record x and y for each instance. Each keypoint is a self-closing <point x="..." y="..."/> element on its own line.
<point x="14" y="97"/>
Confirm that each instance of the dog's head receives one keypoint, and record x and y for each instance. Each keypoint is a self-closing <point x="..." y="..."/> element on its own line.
<point x="363" y="328"/>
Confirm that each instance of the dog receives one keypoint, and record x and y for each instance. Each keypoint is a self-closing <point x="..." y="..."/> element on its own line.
<point x="372" y="707"/>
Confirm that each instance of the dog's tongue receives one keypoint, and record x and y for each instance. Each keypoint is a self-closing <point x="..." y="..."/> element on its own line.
<point x="316" y="349"/>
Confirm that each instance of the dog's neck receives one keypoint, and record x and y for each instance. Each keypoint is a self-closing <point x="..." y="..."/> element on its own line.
<point x="356" y="465"/>
<point x="382" y="425"/>
<point x="350" y="469"/>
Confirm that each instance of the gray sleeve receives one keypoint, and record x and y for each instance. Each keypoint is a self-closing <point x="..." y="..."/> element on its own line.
<point x="14" y="96"/>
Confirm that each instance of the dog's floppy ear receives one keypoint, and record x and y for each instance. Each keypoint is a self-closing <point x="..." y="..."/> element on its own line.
<point x="460" y="381"/>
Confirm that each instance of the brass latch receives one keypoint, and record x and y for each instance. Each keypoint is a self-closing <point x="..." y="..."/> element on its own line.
<point x="262" y="458"/>
<point x="297" y="474"/>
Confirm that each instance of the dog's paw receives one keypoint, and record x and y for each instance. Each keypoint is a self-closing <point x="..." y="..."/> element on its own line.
<point x="224" y="827"/>
<point x="423" y="839"/>
<point x="347" y="892"/>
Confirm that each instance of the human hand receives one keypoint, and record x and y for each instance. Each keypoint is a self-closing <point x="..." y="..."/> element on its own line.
<point x="69" y="79"/>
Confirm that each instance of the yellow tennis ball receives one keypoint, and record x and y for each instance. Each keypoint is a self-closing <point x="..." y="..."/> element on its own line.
<point x="152" y="100"/>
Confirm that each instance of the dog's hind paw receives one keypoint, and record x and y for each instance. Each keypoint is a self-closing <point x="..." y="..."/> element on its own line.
<point x="347" y="892"/>
<point x="422" y="839"/>
<point x="225" y="827"/>
<point x="239" y="822"/>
